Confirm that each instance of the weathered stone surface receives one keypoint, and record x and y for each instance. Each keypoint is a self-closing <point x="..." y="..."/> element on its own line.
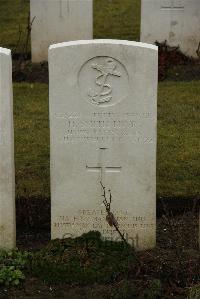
<point x="57" y="21"/>
<point x="7" y="182"/>
<point x="103" y="98"/>
<point x="177" y="21"/>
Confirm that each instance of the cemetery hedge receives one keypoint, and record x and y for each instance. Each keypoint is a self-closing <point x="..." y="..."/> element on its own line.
<point x="178" y="151"/>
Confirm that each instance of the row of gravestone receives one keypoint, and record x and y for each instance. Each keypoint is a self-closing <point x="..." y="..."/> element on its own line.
<point x="177" y="21"/>
<point x="102" y="99"/>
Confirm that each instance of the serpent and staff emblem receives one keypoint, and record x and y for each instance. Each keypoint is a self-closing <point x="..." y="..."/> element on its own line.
<point x="103" y="93"/>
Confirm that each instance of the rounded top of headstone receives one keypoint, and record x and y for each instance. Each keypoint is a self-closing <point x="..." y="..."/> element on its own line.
<point x="104" y="41"/>
<point x="5" y="51"/>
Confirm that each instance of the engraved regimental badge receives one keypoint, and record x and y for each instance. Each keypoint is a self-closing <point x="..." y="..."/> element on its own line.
<point x="103" y="81"/>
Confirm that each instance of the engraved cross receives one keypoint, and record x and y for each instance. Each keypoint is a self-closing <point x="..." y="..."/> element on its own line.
<point x="172" y="5"/>
<point x="102" y="168"/>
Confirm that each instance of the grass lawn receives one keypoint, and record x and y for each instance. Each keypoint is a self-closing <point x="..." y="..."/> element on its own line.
<point x="13" y="23"/>
<point x="31" y="140"/>
<point x="178" y="168"/>
<point x="118" y="19"/>
<point x="178" y="128"/>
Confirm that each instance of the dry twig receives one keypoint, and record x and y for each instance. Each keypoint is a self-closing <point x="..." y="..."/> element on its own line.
<point x="110" y="218"/>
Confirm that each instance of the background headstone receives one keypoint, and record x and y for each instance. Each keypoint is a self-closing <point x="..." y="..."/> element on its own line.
<point x="177" y="21"/>
<point x="7" y="181"/>
<point x="57" y="21"/>
<point x="103" y="129"/>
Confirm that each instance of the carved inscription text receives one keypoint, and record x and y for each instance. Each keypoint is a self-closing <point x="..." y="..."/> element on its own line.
<point x="95" y="220"/>
<point x="172" y="5"/>
<point x="106" y="126"/>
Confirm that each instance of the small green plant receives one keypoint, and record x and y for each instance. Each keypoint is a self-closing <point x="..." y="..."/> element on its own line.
<point x="10" y="275"/>
<point x="194" y="292"/>
<point x="12" y="263"/>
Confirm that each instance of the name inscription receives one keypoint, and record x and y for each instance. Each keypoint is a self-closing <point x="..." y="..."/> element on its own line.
<point x="105" y="126"/>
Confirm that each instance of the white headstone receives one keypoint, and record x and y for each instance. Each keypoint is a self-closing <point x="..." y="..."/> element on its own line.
<point x="103" y="96"/>
<point x="56" y="21"/>
<point x="7" y="181"/>
<point x="177" y="21"/>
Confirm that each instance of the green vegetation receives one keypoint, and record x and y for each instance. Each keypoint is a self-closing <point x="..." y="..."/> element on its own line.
<point x="178" y="152"/>
<point x="31" y="140"/>
<point x="194" y="292"/>
<point x="12" y="265"/>
<point x="13" y="22"/>
<point x="114" y="268"/>
<point x="178" y="139"/>
<point x="83" y="260"/>
<point x="118" y="19"/>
